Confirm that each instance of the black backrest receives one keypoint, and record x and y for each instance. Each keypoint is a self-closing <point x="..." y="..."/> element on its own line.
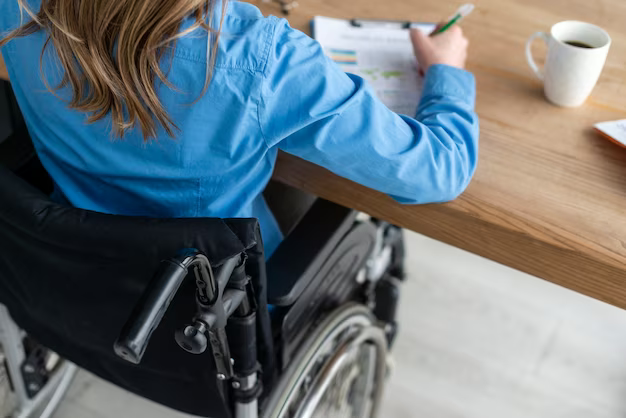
<point x="10" y="116"/>
<point x="71" y="278"/>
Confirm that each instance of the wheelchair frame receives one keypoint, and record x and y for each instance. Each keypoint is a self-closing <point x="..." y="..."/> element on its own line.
<point x="303" y="382"/>
<point x="29" y="400"/>
<point x="223" y="295"/>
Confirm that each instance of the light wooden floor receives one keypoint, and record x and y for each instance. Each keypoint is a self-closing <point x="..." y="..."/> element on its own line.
<point x="478" y="340"/>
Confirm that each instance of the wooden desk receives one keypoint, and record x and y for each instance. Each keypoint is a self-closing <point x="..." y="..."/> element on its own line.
<point x="549" y="196"/>
<point x="4" y="75"/>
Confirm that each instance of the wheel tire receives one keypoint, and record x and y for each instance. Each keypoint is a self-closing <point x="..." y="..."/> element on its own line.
<point x="324" y="361"/>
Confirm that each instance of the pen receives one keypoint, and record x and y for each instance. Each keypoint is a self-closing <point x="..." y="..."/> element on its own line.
<point x="463" y="11"/>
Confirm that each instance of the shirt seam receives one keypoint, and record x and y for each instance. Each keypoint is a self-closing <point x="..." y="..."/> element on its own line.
<point x="185" y="54"/>
<point x="455" y="93"/>
<point x="268" y="44"/>
<point x="269" y="40"/>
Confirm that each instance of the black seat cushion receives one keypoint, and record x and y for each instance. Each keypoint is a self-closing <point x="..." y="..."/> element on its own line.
<point x="71" y="277"/>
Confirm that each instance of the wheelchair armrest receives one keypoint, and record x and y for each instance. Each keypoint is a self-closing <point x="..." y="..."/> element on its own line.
<point x="301" y="255"/>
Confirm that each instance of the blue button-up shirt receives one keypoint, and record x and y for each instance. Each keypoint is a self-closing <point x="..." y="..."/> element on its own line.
<point x="273" y="88"/>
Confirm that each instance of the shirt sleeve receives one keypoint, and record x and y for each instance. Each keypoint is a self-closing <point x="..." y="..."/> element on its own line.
<point x="312" y="109"/>
<point x="10" y="16"/>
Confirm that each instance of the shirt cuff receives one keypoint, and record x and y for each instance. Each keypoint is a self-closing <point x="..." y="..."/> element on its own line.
<point x="444" y="80"/>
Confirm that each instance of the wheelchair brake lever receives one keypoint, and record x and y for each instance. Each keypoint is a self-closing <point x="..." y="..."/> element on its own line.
<point x="193" y="339"/>
<point x="209" y="325"/>
<point x="221" y="353"/>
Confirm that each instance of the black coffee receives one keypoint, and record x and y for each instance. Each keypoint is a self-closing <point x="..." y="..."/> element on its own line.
<point x="578" y="44"/>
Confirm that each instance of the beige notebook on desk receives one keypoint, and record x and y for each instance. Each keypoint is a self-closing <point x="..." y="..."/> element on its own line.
<point x="614" y="131"/>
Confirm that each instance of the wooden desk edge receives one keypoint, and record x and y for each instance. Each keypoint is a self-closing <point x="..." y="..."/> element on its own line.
<point x="568" y="268"/>
<point x="4" y="74"/>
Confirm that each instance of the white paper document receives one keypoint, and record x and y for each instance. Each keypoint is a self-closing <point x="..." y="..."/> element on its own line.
<point x="380" y="54"/>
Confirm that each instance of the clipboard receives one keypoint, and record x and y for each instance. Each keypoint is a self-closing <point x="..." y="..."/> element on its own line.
<point x="378" y="51"/>
<point x="379" y="23"/>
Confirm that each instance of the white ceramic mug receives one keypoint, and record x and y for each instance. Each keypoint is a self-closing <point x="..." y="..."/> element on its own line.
<point x="571" y="72"/>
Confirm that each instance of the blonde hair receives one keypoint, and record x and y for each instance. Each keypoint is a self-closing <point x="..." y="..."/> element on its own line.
<point x="110" y="52"/>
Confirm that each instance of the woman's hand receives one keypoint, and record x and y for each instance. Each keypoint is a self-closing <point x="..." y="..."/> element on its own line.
<point x="449" y="48"/>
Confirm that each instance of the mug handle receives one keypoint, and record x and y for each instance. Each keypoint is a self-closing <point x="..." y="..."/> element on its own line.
<point x="529" y="55"/>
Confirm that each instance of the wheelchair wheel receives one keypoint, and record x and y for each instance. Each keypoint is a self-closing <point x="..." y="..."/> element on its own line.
<point x="338" y="372"/>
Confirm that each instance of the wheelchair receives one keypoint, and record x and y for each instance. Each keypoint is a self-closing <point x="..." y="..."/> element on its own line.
<point x="187" y="312"/>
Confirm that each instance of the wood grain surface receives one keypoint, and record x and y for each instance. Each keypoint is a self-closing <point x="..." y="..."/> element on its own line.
<point x="549" y="195"/>
<point x="4" y="75"/>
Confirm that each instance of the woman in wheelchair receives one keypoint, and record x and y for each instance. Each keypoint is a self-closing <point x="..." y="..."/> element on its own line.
<point x="147" y="114"/>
